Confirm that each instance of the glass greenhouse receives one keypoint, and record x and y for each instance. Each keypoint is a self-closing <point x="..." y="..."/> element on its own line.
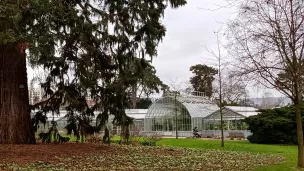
<point x="183" y="112"/>
<point x="178" y="113"/>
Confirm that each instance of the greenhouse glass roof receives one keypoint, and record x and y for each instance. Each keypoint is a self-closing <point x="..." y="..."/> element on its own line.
<point x="233" y="113"/>
<point x="197" y="106"/>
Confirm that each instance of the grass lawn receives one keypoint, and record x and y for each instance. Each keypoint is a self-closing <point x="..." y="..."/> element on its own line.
<point x="288" y="152"/>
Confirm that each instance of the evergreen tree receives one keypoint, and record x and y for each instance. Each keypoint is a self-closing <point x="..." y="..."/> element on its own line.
<point x="203" y="78"/>
<point x="144" y="103"/>
<point x="84" y="45"/>
<point x="143" y="79"/>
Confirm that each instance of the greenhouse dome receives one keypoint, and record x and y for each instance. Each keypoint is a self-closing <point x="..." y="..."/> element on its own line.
<point x="187" y="109"/>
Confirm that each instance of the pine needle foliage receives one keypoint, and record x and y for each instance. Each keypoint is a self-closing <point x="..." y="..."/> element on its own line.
<point x="85" y="47"/>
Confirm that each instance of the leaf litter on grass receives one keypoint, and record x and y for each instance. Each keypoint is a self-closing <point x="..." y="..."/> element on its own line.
<point x="137" y="158"/>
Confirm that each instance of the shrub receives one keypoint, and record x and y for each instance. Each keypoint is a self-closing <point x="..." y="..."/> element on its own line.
<point x="273" y="126"/>
<point x="251" y="139"/>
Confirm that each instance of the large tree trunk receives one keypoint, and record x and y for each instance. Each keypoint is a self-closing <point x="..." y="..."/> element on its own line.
<point x="299" y="133"/>
<point x="15" y="120"/>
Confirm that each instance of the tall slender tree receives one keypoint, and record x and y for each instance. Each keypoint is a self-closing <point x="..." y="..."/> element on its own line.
<point x="84" y="45"/>
<point x="268" y="41"/>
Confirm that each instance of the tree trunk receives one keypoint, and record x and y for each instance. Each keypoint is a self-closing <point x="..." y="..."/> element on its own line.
<point x="299" y="133"/>
<point x="134" y="94"/>
<point x="82" y="135"/>
<point x="15" y="120"/>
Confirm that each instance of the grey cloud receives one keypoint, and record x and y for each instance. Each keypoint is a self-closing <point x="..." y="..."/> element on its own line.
<point x="189" y="31"/>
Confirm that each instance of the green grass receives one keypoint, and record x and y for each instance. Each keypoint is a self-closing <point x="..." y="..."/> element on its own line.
<point x="289" y="152"/>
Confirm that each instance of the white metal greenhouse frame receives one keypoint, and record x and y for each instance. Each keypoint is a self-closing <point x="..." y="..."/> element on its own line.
<point x="191" y="110"/>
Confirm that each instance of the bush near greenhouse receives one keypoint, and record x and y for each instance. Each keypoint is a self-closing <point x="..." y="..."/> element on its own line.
<point x="273" y="126"/>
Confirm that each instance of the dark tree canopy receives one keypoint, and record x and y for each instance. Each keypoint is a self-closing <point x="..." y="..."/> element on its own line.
<point x="142" y="74"/>
<point x="143" y="78"/>
<point x="85" y="46"/>
<point x="165" y="89"/>
<point x="143" y="103"/>
<point x="203" y="78"/>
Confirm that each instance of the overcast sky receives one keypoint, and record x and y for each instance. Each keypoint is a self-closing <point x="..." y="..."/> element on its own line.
<point x="190" y="30"/>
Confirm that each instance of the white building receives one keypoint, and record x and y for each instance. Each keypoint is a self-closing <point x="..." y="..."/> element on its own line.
<point x="137" y="114"/>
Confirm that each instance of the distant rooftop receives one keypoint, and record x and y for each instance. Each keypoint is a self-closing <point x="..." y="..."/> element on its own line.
<point x="186" y="94"/>
<point x="243" y="110"/>
<point x="137" y="113"/>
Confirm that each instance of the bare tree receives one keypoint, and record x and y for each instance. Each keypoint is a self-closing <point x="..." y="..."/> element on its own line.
<point x="177" y="84"/>
<point x="267" y="38"/>
<point x="220" y="64"/>
<point x="234" y="89"/>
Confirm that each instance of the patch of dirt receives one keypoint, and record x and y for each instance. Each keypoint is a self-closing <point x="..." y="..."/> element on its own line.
<point x="23" y="154"/>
